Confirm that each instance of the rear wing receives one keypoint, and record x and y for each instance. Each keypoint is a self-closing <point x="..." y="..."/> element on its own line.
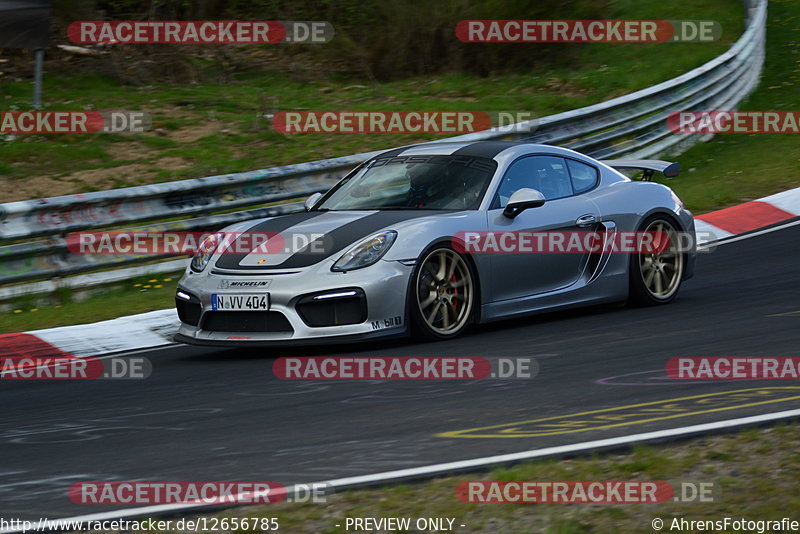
<point x="648" y="166"/>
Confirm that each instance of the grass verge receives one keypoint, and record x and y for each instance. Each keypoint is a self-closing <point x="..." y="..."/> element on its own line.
<point x="754" y="471"/>
<point x="67" y="307"/>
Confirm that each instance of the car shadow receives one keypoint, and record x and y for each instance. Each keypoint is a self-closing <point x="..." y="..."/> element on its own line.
<point x="396" y="345"/>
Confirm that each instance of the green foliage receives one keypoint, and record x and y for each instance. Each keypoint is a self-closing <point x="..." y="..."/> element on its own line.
<point x="381" y="40"/>
<point x="732" y="168"/>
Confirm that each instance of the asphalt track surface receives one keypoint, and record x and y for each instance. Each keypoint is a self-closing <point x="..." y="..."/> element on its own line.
<point x="220" y="415"/>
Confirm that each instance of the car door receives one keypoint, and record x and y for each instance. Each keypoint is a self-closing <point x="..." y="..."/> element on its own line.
<point x="524" y="274"/>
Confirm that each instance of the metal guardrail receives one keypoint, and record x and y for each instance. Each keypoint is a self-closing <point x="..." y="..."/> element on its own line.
<point x="633" y="126"/>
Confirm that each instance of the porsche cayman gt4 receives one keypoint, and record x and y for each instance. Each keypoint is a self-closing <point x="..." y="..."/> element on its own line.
<point x="428" y="239"/>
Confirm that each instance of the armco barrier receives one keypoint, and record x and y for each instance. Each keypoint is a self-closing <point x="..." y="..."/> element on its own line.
<point x="32" y="231"/>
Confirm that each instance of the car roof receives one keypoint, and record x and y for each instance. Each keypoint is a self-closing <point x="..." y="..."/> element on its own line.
<point x="484" y="149"/>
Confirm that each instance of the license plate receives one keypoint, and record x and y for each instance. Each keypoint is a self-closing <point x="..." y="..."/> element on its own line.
<point x="240" y="302"/>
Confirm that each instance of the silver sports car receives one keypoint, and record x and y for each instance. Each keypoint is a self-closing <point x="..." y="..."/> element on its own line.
<point x="430" y="238"/>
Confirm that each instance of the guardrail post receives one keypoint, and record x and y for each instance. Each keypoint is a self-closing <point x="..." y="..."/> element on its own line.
<point x="37" y="78"/>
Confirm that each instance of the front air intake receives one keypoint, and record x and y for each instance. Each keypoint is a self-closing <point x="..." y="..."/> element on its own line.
<point x="333" y="308"/>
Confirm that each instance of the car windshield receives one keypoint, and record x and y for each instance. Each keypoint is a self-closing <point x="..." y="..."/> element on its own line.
<point x="413" y="182"/>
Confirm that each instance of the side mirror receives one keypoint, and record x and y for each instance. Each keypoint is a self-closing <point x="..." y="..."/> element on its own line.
<point x="313" y="199"/>
<point x="521" y="200"/>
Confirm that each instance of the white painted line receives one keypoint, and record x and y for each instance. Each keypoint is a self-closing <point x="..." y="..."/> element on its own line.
<point x="448" y="467"/>
<point x="703" y="229"/>
<point x="748" y="236"/>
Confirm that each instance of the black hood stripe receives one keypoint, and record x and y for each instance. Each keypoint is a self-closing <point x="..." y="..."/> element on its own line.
<point x="275" y="225"/>
<point x="332" y="242"/>
<point x="348" y="234"/>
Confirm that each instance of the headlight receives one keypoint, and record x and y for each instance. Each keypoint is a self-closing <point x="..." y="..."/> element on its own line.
<point x="366" y="252"/>
<point x="204" y="252"/>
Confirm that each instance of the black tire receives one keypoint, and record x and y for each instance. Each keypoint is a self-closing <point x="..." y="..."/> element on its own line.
<point x="655" y="278"/>
<point x="441" y="306"/>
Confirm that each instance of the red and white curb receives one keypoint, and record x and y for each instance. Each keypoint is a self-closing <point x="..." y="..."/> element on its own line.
<point x="750" y="216"/>
<point x="155" y="329"/>
<point x="133" y="332"/>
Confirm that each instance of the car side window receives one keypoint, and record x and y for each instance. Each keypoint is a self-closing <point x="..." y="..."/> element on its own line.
<point x="584" y="176"/>
<point x="548" y="174"/>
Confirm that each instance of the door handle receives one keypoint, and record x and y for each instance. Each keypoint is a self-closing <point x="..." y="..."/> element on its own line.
<point x="585" y="220"/>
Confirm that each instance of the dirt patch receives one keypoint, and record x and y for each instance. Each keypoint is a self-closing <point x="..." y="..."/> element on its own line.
<point x="91" y="179"/>
<point x="36" y="187"/>
<point x="131" y="151"/>
<point x="193" y="133"/>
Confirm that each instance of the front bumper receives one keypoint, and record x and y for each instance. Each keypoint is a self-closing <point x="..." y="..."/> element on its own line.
<point x="384" y="286"/>
<point x="292" y="342"/>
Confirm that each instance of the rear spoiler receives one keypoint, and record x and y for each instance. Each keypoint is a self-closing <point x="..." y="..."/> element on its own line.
<point x="648" y="166"/>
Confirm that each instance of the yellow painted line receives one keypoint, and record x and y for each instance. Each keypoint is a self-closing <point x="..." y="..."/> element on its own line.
<point x="564" y="425"/>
